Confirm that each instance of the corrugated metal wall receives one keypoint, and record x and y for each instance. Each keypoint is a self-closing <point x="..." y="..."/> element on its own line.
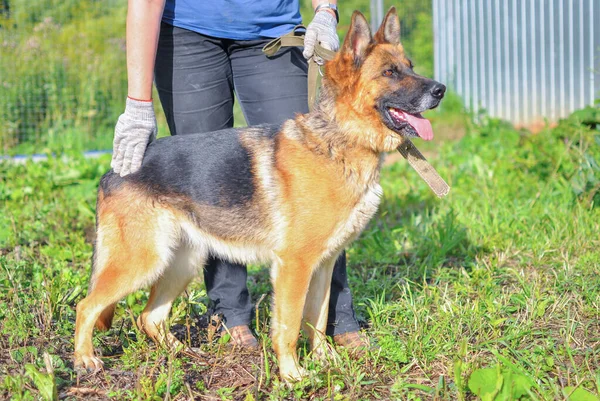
<point x="520" y="60"/>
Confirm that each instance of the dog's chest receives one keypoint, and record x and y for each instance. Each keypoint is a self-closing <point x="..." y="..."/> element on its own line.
<point x="358" y="218"/>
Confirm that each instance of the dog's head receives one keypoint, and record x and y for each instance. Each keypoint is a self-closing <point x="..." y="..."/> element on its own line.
<point x="378" y="97"/>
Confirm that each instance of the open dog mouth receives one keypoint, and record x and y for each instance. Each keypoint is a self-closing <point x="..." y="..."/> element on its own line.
<point x="409" y="124"/>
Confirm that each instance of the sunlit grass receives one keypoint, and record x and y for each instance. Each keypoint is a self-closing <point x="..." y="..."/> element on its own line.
<point x="505" y="270"/>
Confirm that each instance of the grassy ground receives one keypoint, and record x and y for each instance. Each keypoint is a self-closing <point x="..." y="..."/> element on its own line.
<point x="503" y="274"/>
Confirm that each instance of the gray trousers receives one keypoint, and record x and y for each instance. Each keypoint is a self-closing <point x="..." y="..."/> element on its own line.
<point x="196" y="77"/>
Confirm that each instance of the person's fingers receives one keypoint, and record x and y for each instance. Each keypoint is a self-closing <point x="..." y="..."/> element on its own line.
<point x="116" y="162"/>
<point x="330" y="43"/>
<point x="336" y="47"/>
<point x="310" y="39"/>
<point x="137" y="157"/>
<point x="127" y="151"/>
<point x="326" y="45"/>
<point x="118" y="155"/>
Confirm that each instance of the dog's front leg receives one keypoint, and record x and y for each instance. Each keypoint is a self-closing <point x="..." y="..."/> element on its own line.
<point x="291" y="277"/>
<point x="317" y="307"/>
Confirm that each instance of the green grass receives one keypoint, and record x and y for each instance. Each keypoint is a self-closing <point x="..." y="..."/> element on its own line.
<point x="504" y="274"/>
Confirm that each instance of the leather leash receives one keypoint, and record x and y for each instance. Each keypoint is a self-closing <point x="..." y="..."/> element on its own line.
<point x="296" y="39"/>
<point x="407" y="149"/>
<point x="423" y="168"/>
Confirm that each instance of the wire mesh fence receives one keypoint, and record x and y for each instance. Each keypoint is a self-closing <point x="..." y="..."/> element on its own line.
<point x="63" y="76"/>
<point x="62" y="73"/>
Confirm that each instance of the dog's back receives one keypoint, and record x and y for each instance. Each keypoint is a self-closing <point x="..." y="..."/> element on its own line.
<point x="212" y="169"/>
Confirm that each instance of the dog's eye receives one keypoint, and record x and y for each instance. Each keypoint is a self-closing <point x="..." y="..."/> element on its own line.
<point x="388" y="73"/>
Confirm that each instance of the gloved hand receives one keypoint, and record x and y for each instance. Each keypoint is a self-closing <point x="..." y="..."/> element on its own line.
<point x="322" y="29"/>
<point x="135" y="128"/>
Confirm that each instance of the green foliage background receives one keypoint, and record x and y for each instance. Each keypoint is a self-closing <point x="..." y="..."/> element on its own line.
<point x="63" y="75"/>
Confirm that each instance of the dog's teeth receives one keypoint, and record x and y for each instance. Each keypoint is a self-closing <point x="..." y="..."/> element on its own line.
<point x="397" y="114"/>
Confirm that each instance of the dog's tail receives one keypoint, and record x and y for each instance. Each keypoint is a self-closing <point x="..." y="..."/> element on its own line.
<point x="105" y="320"/>
<point x="109" y="182"/>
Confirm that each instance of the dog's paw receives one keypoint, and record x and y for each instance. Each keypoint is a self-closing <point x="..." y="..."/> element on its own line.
<point x="173" y="344"/>
<point x="324" y="352"/>
<point x="292" y="374"/>
<point x="89" y="363"/>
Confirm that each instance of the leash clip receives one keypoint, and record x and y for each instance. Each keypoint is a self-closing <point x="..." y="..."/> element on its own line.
<point x="320" y="63"/>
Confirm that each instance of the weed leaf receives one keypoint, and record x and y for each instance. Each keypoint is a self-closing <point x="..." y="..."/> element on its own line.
<point x="44" y="382"/>
<point x="493" y="384"/>
<point x="579" y="394"/>
<point x="486" y="383"/>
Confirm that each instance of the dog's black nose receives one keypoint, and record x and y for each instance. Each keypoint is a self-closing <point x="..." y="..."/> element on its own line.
<point x="438" y="90"/>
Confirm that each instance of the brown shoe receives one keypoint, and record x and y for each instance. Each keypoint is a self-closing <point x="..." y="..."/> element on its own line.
<point x="356" y="342"/>
<point x="242" y="336"/>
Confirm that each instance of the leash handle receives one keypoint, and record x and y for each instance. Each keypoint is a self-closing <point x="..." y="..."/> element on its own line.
<point x="295" y="38"/>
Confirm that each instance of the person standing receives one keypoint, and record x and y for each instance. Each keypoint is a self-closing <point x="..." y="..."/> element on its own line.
<point x="199" y="54"/>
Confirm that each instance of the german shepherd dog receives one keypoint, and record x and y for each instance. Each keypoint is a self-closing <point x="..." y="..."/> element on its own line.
<point x="293" y="195"/>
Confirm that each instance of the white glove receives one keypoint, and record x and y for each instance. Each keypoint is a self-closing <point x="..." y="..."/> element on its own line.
<point x="322" y="30"/>
<point x="135" y="128"/>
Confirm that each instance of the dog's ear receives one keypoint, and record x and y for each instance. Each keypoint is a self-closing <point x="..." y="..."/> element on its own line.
<point x="358" y="38"/>
<point x="389" y="31"/>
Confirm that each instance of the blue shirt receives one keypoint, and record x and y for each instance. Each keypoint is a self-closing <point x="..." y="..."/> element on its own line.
<point x="234" y="19"/>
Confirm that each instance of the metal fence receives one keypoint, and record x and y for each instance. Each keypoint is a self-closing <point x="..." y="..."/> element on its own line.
<point x="521" y="60"/>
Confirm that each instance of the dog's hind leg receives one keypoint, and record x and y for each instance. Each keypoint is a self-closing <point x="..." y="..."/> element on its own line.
<point x="133" y="248"/>
<point x="317" y="307"/>
<point x="183" y="268"/>
<point x="120" y="277"/>
<point x="105" y="319"/>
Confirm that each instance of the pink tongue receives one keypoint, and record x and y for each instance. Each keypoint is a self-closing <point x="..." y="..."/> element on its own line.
<point x="421" y="125"/>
